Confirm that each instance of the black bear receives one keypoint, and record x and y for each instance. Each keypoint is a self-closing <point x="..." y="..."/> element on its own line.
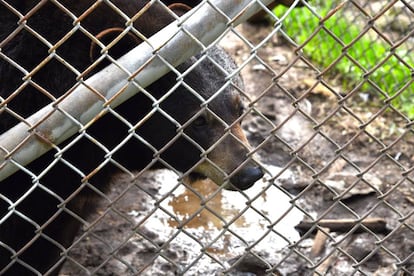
<point x="43" y="207"/>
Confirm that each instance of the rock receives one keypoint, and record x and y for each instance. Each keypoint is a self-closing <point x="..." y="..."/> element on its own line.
<point x="341" y="181"/>
<point x="250" y="263"/>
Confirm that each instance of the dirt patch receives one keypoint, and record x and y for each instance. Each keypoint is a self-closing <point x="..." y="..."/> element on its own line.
<point x="321" y="165"/>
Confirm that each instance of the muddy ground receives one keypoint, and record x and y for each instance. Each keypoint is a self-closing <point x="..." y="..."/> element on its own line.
<point x="332" y="170"/>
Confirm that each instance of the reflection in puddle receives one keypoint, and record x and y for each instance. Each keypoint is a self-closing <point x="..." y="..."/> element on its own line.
<point x="188" y="206"/>
<point x="203" y="205"/>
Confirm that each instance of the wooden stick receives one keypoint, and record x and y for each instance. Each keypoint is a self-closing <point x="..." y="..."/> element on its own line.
<point x="319" y="242"/>
<point x="377" y="225"/>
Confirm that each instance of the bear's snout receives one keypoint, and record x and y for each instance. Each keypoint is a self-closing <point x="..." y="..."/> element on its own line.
<point x="246" y="177"/>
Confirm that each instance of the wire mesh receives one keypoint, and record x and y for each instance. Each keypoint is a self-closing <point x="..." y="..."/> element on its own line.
<point x="305" y="167"/>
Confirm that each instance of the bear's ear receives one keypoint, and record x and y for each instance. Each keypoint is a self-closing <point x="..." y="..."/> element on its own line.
<point x="121" y="47"/>
<point x="179" y="8"/>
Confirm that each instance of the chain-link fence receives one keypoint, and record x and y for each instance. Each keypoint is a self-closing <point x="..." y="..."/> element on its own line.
<point x="125" y="127"/>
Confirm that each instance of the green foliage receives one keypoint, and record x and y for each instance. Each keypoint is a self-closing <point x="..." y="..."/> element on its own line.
<point x="357" y="54"/>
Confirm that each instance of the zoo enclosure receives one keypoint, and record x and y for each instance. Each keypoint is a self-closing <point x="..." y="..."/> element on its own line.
<point x="329" y="176"/>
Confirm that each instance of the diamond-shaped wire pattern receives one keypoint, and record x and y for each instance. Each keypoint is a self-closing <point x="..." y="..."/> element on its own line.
<point x="132" y="146"/>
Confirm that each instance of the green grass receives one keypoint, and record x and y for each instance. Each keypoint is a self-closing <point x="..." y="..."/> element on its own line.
<point x="358" y="63"/>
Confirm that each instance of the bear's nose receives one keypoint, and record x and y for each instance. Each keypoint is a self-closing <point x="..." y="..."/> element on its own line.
<point x="246" y="177"/>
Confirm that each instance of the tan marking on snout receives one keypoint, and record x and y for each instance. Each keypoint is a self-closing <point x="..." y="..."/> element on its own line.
<point x="239" y="133"/>
<point x="227" y="155"/>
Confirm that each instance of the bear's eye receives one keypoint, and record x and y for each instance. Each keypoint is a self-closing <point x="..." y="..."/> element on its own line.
<point x="200" y="121"/>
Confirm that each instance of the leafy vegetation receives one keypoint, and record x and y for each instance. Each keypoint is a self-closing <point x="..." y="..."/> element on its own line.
<point x="359" y="55"/>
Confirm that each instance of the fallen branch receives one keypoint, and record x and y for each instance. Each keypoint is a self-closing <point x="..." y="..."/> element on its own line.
<point x="319" y="242"/>
<point x="377" y="225"/>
